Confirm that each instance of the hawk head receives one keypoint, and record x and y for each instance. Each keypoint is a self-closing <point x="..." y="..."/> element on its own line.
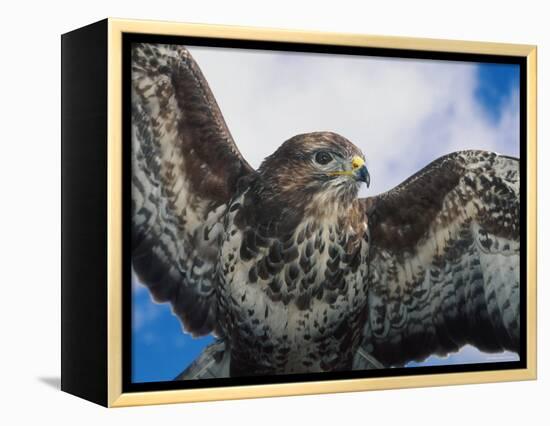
<point x="322" y="164"/>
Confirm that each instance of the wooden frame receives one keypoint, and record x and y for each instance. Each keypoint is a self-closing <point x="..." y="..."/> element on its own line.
<point x="92" y="212"/>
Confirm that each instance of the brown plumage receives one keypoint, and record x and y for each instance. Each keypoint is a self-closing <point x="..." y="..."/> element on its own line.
<point x="287" y="266"/>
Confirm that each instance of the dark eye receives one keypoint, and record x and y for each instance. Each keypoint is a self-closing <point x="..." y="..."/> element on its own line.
<point x="323" y="157"/>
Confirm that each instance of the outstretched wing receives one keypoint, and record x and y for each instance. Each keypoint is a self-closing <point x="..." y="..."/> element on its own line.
<point x="444" y="260"/>
<point x="185" y="168"/>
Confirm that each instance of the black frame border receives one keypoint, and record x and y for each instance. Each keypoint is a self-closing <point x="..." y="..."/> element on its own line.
<point x="128" y="38"/>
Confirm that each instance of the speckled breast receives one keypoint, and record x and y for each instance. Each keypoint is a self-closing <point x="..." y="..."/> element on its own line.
<point x="292" y="304"/>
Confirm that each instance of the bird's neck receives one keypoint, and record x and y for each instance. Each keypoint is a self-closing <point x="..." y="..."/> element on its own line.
<point x="280" y="213"/>
<point x="331" y="207"/>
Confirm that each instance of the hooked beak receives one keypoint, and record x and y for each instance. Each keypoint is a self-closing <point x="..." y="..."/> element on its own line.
<point x="360" y="170"/>
<point x="362" y="175"/>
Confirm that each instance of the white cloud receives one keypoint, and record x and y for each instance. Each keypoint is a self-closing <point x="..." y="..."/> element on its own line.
<point x="468" y="354"/>
<point x="402" y="113"/>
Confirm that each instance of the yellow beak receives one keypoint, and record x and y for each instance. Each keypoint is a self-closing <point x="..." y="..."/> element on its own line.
<point x="358" y="170"/>
<point x="357" y="162"/>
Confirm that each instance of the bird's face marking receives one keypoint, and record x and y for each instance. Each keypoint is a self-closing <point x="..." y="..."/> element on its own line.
<point x="354" y="170"/>
<point x="318" y="163"/>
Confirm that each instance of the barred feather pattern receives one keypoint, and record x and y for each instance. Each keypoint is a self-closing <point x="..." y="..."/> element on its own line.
<point x="444" y="266"/>
<point x="185" y="168"/>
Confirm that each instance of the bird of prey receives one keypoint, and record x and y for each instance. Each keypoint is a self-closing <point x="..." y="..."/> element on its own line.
<point x="286" y="266"/>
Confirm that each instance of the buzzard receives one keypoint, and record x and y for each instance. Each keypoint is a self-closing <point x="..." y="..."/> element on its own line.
<point x="286" y="266"/>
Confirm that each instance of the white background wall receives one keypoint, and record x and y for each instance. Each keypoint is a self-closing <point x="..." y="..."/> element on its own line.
<point x="30" y="242"/>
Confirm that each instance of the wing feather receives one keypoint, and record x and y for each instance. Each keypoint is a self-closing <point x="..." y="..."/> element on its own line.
<point x="444" y="260"/>
<point x="185" y="169"/>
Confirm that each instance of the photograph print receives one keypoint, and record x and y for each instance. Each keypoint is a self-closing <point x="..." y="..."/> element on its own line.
<point x="321" y="213"/>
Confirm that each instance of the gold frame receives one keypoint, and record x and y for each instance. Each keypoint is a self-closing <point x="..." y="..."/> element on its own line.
<point x="116" y="27"/>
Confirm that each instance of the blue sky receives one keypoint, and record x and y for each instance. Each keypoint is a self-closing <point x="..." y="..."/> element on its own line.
<point x="496" y="82"/>
<point x="401" y="113"/>
<point x="160" y="349"/>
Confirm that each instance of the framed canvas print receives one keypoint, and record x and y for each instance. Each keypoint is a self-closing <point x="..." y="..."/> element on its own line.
<point x="250" y="212"/>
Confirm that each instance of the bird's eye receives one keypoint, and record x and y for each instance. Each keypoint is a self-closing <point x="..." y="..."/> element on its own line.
<point x="323" y="157"/>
